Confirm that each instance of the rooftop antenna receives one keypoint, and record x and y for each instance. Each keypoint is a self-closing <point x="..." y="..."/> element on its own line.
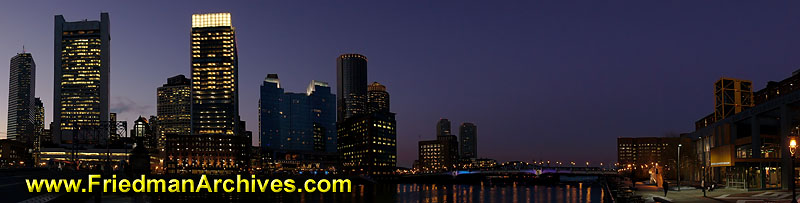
<point x="23" y="48"/>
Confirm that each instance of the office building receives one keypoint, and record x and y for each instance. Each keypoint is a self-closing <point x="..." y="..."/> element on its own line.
<point x="443" y="127"/>
<point x="217" y="143"/>
<point x="21" y="102"/>
<point x="38" y="127"/>
<point x="215" y="89"/>
<point x="351" y="81"/>
<point x="440" y="154"/>
<point x="377" y="98"/>
<point x="297" y="129"/>
<point x="81" y="80"/>
<point x="174" y="108"/>
<point x="368" y="143"/>
<point x="468" y="135"/>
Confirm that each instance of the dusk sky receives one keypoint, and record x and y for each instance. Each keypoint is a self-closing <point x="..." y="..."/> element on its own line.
<point x="542" y="80"/>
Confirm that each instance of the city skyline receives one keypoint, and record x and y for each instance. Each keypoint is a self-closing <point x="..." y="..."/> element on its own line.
<point x="421" y="100"/>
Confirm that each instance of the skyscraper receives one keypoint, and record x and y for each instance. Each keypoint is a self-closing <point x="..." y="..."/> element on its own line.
<point x="81" y="79"/>
<point x="217" y="143"/>
<point x="38" y="127"/>
<point x="174" y="108"/>
<point x="215" y="89"/>
<point x="377" y="98"/>
<point x="367" y="142"/>
<point x="468" y="135"/>
<point x="450" y="156"/>
<point x="443" y="127"/>
<point x="351" y="81"/>
<point x="288" y="120"/>
<point x="21" y="94"/>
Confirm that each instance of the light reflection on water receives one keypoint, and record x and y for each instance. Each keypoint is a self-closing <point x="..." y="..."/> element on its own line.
<point x="499" y="193"/>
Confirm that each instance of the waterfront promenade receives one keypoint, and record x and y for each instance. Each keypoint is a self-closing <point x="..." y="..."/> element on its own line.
<point x="651" y="193"/>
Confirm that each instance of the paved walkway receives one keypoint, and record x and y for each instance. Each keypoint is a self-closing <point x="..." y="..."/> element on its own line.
<point x="687" y="194"/>
<point x="651" y="193"/>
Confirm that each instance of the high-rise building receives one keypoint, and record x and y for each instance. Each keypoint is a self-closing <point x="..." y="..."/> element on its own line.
<point x="21" y="94"/>
<point x="288" y="120"/>
<point x="377" y="98"/>
<point x="351" y="81"/>
<point x="81" y="80"/>
<point x="368" y="143"/>
<point x="297" y="129"/>
<point x="217" y="143"/>
<point x="38" y="127"/>
<point x="174" y="108"/>
<point x="443" y="127"/>
<point x="468" y="135"/>
<point x="440" y="154"/>
<point x="215" y="89"/>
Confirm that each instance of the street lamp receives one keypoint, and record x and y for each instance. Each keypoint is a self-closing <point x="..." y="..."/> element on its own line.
<point x="792" y="149"/>
<point x="679" y="166"/>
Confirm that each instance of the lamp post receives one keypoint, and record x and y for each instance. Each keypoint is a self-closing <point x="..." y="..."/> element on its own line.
<point x="679" y="166"/>
<point x="792" y="149"/>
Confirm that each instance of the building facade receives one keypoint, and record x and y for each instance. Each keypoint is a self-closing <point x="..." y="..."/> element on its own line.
<point x="218" y="142"/>
<point x="468" y="139"/>
<point x="748" y="149"/>
<point x="377" y="98"/>
<point x="81" y="80"/>
<point x="443" y="127"/>
<point x="215" y="88"/>
<point x="441" y="154"/>
<point x="297" y="130"/>
<point x="367" y="143"/>
<point x="21" y="102"/>
<point x="174" y="108"/>
<point x="351" y="95"/>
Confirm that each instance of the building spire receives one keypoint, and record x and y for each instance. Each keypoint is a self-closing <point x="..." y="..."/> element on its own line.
<point x="23" y="48"/>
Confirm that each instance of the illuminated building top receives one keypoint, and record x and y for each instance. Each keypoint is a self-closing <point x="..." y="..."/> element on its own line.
<point x="211" y="20"/>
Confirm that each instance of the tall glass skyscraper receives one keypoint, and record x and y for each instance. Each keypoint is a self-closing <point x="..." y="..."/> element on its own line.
<point x="21" y="102"/>
<point x="303" y="122"/>
<point x="81" y="79"/>
<point x="468" y="135"/>
<point x="351" y="81"/>
<point x="215" y="89"/>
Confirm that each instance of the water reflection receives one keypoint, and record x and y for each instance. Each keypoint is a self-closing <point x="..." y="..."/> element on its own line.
<point x="502" y="193"/>
<point x="446" y="193"/>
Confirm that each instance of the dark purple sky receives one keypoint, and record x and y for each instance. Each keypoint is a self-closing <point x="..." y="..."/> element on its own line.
<point x="547" y="80"/>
